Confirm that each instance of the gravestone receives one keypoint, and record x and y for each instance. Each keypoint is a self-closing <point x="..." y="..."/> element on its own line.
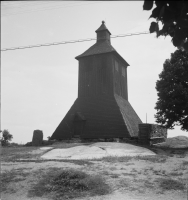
<point x="37" y="138"/>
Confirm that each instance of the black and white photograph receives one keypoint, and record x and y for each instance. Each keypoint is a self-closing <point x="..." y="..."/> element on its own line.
<point x="94" y="100"/>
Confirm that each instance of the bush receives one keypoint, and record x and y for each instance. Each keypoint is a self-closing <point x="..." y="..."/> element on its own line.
<point x="67" y="184"/>
<point x="47" y="142"/>
<point x="171" y="184"/>
<point x="13" y="144"/>
<point x="6" y="137"/>
<point x="28" y="144"/>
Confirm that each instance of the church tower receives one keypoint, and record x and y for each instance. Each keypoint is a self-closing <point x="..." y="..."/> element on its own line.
<point x="102" y="109"/>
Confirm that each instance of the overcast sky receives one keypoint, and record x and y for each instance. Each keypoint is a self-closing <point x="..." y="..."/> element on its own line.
<point x="39" y="85"/>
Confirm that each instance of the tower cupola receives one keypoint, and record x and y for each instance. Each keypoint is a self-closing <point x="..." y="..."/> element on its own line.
<point x="103" y="34"/>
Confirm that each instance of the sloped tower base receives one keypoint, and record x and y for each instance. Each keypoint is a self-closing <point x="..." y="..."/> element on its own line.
<point x="99" y="118"/>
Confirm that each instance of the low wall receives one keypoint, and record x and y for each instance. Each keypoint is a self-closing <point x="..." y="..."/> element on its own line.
<point x="151" y="134"/>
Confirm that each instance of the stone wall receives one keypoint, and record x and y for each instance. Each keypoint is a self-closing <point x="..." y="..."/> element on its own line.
<point x="158" y="131"/>
<point x="151" y="134"/>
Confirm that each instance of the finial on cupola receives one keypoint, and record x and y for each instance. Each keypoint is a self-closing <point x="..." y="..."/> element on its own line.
<point x="103" y="34"/>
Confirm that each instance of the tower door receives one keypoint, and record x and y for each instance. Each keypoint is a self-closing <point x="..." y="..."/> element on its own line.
<point x="78" y="128"/>
<point x="78" y="122"/>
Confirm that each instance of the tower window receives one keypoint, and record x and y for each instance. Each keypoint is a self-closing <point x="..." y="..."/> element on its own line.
<point x="116" y="66"/>
<point x="123" y="71"/>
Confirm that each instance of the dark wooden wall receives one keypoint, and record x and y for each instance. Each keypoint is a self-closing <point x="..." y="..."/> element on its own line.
<point x="120" y="78"/>
<point x="102" y="75"/>
<point x="103" y="119"/>
<point x="95" y="76"/>
<point x="106" y="116"/>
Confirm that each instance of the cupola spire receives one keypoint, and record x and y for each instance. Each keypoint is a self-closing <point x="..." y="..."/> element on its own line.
<point x="103" y="34"/>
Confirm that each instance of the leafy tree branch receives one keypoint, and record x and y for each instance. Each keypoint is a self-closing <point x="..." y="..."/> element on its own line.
<point x="174" y="18"/>
<point x="172" y="88"/>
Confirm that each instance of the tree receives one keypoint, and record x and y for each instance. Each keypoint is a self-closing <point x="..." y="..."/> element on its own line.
<point x="172" y="88"/>
<point x="174" y="18"/>
<point x="6" y="137"/>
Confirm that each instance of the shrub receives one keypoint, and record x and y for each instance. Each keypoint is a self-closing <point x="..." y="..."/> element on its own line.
<point x="6" y="137"/>
<point x="63" y="184"/>
<point x="171" y="184"/>
<point x="47" y="142"/>
<point x="154" y="159"/>
<point x="28" y="144"/>
<point x="13" y="144"/>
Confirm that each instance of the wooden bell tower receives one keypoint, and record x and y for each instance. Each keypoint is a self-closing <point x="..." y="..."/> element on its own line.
<point x="102" y="109"/>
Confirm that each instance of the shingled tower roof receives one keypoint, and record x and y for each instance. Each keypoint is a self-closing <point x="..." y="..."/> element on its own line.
<point x="103" y="28"/>
<point x="102" y="45"/>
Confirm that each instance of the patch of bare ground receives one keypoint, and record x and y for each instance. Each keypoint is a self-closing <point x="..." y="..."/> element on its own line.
<point x="145" y="178"/>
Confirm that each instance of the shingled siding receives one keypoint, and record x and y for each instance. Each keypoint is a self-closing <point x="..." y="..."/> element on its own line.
<point x="151" y="134"/>
<point x="103" y="119"/>
<point x="107" y="114"/>
<point x="120" y="78"/>
<point x="102" y="109"/>
<point x="95" y="76"/>
<point x="130" y="117"/>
